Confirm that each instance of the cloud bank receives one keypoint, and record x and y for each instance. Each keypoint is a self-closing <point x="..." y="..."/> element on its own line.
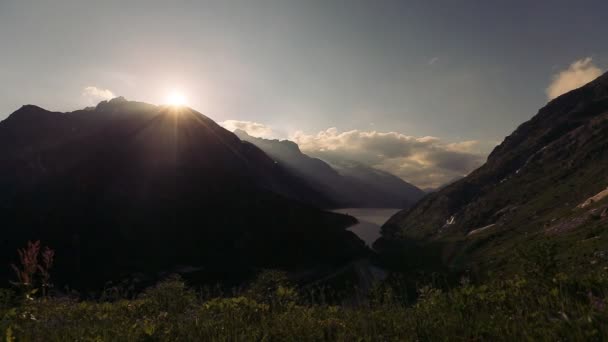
<point x="578" y="74"/>
<point x="95" y="95"/>
<point x="254" y="129"/>
<point x="426" y="162"/>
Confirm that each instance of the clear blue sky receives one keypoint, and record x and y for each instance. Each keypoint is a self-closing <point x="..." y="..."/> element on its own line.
<point x="457" y="70"/>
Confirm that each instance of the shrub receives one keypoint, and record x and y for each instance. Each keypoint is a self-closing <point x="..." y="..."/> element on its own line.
<point x="272" y="287"/>
<point x="171" y="296"/>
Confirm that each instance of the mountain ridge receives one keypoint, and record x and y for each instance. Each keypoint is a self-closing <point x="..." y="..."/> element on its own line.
<point x="349" y="184"/>
<point x="130" y="187"/>
<point x="531" y="182"/>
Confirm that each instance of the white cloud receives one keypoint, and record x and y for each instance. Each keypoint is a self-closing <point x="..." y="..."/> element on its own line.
<point x="95" y="95"/>
<point x="422" y="161"/>
<point x="468" y="146"/>
<point x="254" y="129"/>
<point x="578" y="74"/>
<point x="433" y="60"/>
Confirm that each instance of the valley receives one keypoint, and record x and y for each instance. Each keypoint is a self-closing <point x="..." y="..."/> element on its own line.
<point x="284" y="170"/>
<point x="258" y="218"/>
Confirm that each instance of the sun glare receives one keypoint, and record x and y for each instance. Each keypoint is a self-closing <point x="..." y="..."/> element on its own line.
<point x="176" y="99"/>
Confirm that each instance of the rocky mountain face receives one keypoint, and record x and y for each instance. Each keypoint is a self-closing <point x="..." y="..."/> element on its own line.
<point x="347" y="184"/>
<point x="129" y="186"/>
<point x="532" y="184"/>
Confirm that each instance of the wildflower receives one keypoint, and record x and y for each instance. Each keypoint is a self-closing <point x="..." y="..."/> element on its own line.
<point x="30" y="265"/>
<point x="28" y="258"/>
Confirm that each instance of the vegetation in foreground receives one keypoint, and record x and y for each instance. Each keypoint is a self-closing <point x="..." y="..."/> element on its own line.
<point x="541" y="302"/>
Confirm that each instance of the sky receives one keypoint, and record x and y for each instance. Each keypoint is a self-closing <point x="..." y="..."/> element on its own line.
<point x="333" y="75"/>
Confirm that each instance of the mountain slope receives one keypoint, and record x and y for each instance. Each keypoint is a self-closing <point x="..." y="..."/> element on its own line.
<point x="377" y="187"/>
<point x="129" y="186"/>
<point x="530" y="186"/>
<point x="348" y="184"/>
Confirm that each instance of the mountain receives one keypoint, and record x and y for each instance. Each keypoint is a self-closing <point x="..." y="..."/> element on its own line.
<point x="428" y="190"/>
<point x="382" y="188"/>
<point x="132" y="187"/>
<point x="348" y="184"/>
<point x="533" y="187"/>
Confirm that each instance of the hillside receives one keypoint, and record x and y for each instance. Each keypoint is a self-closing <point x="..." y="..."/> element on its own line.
<point x="532" y="187"/>
<point x="129" y="187"/>
<point x="347" y="184"/>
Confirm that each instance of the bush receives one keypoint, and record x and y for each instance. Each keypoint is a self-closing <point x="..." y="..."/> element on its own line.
<point x="171" y="296"/>
<point x="272" y="287"/>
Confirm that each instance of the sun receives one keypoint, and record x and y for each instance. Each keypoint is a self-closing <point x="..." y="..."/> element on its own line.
<point x="176" y="98"/>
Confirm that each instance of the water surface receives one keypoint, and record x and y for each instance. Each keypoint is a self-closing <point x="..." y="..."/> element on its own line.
<point x="370" y="221"/>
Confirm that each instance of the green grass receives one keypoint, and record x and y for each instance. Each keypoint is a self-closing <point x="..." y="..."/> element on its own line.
<point x="542" y="301"/>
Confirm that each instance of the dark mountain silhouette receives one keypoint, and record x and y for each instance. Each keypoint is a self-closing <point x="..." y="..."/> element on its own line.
<point x="532" y="184"/>
<point x="346" y="183"/>
<point x="429" y="189"/>
<point x="129" y="186"/>
<point x="381" y="187"/>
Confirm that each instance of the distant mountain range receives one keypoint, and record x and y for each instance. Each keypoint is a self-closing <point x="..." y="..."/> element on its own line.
<point x="132" y="187"/>
<point x="346" y="183"/>
<point x="533" y="186"/>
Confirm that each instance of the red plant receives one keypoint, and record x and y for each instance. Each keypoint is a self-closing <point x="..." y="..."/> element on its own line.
<point x="29" y="263"/>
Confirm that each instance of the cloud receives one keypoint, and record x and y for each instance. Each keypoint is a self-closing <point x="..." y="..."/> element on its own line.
<point x="423" y="161"/>
<point x="433" y="60"/>
<point x="578" y="74"/>
<point x="95" y="95"/>
<point x="252" y="128"/>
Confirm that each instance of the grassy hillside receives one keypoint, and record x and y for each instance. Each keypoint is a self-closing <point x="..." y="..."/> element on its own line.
<point x="530" y="189"/>
<point x="544" y="300"/>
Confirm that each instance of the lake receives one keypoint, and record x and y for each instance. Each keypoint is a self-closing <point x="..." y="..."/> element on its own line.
<point x="370" y="221"/>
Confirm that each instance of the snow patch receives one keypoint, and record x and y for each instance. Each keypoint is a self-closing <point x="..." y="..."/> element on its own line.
<point x="450" y="221"/>
<point x="479" y="230"/>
